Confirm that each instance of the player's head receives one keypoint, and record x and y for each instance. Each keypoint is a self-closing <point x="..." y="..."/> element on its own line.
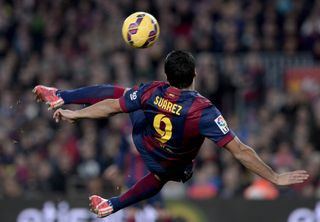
<point x="179" y="67"/>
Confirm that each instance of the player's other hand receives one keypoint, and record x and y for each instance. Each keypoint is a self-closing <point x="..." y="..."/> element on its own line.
<point x="298" y="176"/>
<point x="65" y="114"/>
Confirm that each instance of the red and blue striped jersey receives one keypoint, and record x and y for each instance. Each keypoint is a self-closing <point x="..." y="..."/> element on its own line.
<point x="175" y="123"/>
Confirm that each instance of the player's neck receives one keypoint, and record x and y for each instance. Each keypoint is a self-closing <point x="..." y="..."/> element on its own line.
<point x="188" y="88"/>
<point x="191" y="87"/>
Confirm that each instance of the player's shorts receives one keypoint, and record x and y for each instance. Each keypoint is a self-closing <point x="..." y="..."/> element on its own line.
<point x="181" y="172"/>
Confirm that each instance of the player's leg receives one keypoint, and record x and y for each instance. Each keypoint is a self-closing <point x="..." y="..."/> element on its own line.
<point x="91" y="94"/>
<point x="86" y="95"/>
<point x="145" y="188"/>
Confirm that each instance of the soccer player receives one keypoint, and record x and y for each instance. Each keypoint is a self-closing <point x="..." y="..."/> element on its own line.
<point x="170" y="121"/>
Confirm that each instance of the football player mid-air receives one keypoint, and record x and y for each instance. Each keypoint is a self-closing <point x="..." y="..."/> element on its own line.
<point x="170" y="121"/>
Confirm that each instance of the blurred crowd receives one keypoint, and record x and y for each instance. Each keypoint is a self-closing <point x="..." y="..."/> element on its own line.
<point x="69" y="44"/>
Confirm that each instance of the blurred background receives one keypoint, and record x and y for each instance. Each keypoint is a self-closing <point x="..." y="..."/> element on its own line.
<point x="257" y="60"/>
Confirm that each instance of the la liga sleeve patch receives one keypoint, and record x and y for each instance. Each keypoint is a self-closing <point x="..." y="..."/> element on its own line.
<point x="222" y="124"/>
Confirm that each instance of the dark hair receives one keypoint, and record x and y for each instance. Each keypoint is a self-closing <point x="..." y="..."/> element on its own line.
<point x="179" y="67"/>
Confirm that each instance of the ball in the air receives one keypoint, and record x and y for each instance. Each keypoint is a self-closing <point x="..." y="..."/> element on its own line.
<point x="140" y="30"/>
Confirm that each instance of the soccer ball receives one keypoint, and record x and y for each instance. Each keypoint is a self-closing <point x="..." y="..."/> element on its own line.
<point x="140" y="30"/>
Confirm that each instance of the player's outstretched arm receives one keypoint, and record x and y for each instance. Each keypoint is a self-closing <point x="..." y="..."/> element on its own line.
<point x="249" y="158"/>
<point x="101" y="109"/>
<point x="88" y="95"/>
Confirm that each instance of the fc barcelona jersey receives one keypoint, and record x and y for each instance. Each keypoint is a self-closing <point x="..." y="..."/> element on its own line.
<point x="173" y="124"/>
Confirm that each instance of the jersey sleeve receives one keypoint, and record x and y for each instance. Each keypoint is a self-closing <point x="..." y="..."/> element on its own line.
<point x="135" y="98"/>
<point x="214" y="126"/>
<point x="131" y="100"/>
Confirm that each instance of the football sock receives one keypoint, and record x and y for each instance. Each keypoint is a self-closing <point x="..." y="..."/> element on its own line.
<point x="91" y="94"/>
<point x="145" y="188"/>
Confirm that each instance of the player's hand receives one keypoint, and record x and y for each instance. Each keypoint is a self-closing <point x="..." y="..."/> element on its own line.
<point x="66" y="115"/>
<point x="112" y="172"/>
<point x="298" y="176"/>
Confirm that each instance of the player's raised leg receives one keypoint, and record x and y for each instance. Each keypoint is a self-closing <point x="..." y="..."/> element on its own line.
<point x="89" y="95"/>
<point x="145" y="188"/>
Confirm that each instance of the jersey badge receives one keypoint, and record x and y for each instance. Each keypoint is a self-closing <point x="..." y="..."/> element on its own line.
<point x="222" y="124"/>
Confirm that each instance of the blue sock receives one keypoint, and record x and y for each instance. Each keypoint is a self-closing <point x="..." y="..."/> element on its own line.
<point x="91" y="94"/>
<point x="145" y="188"/>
